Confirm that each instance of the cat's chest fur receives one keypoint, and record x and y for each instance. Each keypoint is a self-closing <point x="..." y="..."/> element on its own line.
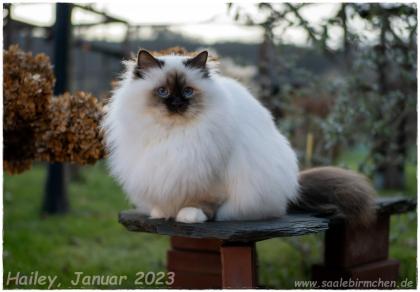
<point x="180" y="164"/>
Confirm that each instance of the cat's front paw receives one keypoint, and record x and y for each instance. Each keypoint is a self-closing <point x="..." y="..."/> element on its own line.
<point x="191" y="215"/>
<point x="156" y="213"/>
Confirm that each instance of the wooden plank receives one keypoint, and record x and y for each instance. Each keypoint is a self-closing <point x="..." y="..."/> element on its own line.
<point x="239" y="268"/>
<point x="195" y="262"/>
<point x="245" y="231"/>
<point x="290" y="225"/>
<point x="188" y="261"/>
<point x="395" y="205"/>
<point x="386" y="270"/>
<point x="347" y="246"/>
<point x="196" y="244"/>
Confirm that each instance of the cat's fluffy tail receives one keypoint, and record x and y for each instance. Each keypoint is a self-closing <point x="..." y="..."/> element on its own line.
<point x="336" y="192"/>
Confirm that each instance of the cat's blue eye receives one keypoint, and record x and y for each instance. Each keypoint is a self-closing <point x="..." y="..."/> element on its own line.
<point x="187" y="92"/>
<point x="162" y="92"/>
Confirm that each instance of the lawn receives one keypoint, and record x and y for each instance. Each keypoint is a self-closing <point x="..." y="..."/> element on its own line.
<point x="89" y="239"/>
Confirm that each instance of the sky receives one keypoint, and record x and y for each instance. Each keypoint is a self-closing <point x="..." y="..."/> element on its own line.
<point x="208" y="21"/>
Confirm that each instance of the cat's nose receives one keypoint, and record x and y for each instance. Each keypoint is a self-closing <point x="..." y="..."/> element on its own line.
<point x="177" y="105"/>
<point x="178" y="101"/>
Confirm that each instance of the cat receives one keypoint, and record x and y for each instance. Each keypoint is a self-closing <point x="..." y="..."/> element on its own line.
<point x="189" y="144"/>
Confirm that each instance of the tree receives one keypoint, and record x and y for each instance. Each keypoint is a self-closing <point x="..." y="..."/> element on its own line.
<point x="370" y="98"/>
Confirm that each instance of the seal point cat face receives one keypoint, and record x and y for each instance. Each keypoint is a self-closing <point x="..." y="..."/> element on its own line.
<point x="174" y="82"/>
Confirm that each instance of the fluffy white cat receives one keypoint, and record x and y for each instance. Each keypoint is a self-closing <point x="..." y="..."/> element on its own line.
<point x="187" y="143"/>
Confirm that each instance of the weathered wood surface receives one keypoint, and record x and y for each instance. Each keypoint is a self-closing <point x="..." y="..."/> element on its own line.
<point x="246" y="231"/>
<point x="290" y="225"/>
<point x="239" y="266"/>
<point x="395" y="205"/>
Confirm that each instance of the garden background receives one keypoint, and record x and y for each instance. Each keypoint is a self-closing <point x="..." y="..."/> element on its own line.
<point x="340" y="80"/>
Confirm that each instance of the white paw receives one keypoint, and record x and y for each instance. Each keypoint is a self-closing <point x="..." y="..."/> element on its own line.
<point x="191" y="215"/>
<point x="156" y="213"/>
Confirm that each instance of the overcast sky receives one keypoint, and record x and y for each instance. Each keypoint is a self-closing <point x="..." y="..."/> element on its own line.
<point x="208" y="21"/>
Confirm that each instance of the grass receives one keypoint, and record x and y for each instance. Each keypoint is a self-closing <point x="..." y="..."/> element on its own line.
<point x="89" y="239"/>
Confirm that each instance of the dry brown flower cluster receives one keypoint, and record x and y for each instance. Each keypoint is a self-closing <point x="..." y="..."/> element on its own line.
<point x="40" y="127"/>
<point x="27" y="87"/>
<point x="72" y="133"/>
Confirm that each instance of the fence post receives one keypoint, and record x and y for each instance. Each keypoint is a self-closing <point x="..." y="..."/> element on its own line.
<point x="55" y="197"/>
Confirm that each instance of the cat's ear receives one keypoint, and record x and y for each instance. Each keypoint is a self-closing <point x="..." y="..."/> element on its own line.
<point x="145" y="61"/>
<point x="198" y="61"/>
